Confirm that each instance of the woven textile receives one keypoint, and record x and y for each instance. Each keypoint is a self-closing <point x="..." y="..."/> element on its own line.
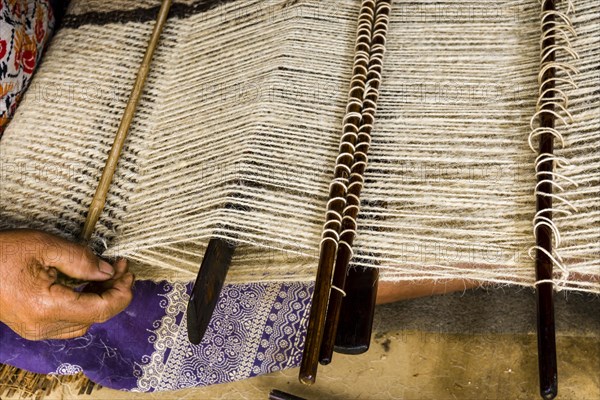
<point x="238" y="132"/>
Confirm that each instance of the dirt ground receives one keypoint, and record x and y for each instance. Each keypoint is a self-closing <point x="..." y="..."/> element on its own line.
<point x="420" y="350"/>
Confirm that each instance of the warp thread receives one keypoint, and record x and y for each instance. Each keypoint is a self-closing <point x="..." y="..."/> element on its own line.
<point x="254" y="122"/>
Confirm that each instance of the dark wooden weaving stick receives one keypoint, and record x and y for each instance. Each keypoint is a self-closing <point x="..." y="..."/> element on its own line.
<point x="208" y="286"/>
<point x="349" y="220"/>
<point x="355" y="323"/>
<point x="546" y="334"/>
<point x="209" y="282"/>
<point x="279" y="395"/>
<point x="337" y="198"/>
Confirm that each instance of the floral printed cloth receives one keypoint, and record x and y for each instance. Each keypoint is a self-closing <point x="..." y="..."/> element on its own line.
<point x="25" y="27"/>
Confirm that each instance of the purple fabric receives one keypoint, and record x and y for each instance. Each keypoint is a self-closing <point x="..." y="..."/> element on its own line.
<point x="256" y="329"/>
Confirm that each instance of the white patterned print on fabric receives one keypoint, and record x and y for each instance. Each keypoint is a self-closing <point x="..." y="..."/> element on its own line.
<point x="255" y="329"/>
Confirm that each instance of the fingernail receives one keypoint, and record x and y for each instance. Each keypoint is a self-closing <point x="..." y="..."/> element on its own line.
<point x="106" y="268"/>
<point x="130" y="278"/>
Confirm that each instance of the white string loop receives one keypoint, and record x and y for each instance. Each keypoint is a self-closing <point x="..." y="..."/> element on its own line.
<point x="553" y="101"/>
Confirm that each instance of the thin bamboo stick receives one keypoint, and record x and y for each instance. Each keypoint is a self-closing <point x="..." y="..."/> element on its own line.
<point x="99" y="199"/>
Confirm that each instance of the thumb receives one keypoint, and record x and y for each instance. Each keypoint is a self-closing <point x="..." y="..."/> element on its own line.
<point x="77" y="261"/>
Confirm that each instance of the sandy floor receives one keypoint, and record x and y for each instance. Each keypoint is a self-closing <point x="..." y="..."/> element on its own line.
<point x="416" y="365"/>
<point x="420" y="351"/>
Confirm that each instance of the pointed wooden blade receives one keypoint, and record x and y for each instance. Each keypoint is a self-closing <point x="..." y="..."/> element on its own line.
<point x="207" y="287"/>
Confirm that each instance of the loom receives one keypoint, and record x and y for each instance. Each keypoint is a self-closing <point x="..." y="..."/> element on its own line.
<point x="238" y="131"/>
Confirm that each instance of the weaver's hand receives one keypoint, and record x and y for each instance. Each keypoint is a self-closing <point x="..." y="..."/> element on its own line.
<point x="36" y="307"/>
